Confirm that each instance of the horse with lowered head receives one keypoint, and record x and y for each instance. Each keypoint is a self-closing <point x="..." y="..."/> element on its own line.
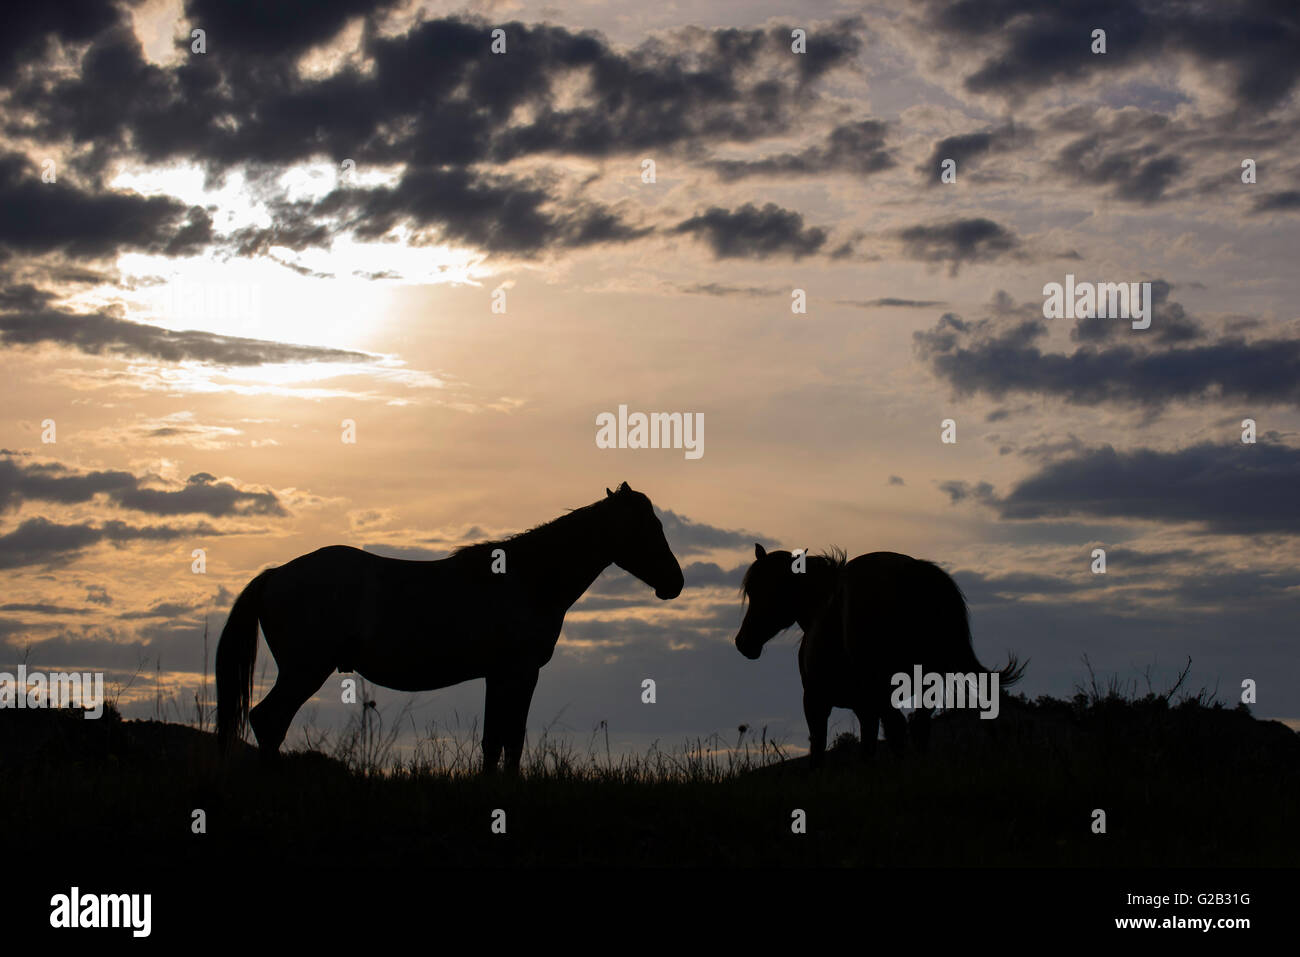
<point x="863" y="622"/>
<point x="492" y="610"/>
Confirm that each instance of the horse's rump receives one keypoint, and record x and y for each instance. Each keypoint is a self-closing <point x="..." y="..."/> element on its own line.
<point x="891" y="612"/>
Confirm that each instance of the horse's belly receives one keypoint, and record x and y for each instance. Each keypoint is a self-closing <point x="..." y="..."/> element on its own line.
<point x="408" y="679"/>
<point x="425" y="661"/>
<point x="420" y="663"/>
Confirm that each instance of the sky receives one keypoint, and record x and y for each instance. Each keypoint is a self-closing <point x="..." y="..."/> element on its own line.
<point x="223" y="254"/>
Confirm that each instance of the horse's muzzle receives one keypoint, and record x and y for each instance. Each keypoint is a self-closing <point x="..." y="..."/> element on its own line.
<point x="671" y="591"/>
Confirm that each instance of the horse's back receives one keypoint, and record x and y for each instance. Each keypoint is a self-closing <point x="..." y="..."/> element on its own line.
<point x="893" y="608"/>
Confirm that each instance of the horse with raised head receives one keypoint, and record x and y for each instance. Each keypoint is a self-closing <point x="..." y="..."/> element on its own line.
<point x="492" y="610"/>
<point x="863" y="622"/>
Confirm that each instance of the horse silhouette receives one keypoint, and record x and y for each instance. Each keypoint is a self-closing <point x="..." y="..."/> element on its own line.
<point x="863" y="621"/>
<point x="492" y="610"/>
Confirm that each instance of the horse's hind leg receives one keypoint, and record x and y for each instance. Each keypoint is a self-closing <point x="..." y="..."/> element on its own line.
<point x="816" y="712"/>
<point x="271" y="718"/>
<point x="895" y="729"/>
<point x="919" y="728"/>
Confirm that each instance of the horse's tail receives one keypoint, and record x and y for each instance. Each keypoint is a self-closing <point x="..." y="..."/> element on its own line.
<point x="1012" y="672"/>
<point x="950" y="604"/>
<point x="236" y="653"/>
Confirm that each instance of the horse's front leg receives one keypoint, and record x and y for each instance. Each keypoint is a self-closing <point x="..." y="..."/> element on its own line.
<point x="505" y="717"/>
<point x="816" y="711"/>
<point x="868" y="729"/>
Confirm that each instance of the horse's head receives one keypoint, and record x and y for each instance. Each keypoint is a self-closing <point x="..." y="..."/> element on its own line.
<point x="773" y="594"/>
<point x="639" y="544"/>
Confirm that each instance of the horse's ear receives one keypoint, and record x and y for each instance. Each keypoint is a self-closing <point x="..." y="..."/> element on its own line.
<point x="759" y="551"/>
<point x="608" y="492"/>
<point x="625" y="487"/>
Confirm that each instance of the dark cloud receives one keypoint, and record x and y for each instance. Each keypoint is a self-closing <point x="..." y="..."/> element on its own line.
<point x="1033" y="46"/>
<point x="22" y="481"/>
<point x="31" y="29"/>
<point x="52" y="482"/>
<point x="38" y="541"/>
<point x="853" y="148"/>
<point x="278" y="27"/>
<point x="959" y="241"/>
<point x="1175" y="325"/>
<point x="98" y="595"/>
<point x="891" y="302"/>
<point x="721" y="289"/>
<point x="42" y="608"/>
<point x="1285" y="201"/>
<point x="103" y="334"/>
<point x="495" y="213"/>
<point x="615" y="589"/>
<point x="691" y="538"/>
<point x="998" y="357"/>
<point x="166" y="609"/>
<point x="244" y="102"/>
<point x="750" y="232"/>
<point x="713" y="575"/>
<point x="1139" y="174"/>
<point x="1228" y="488"/>
<point x="961" y="491"/>
<point x="201" y="493"/>
<point x="968" y="149"/>
<point x="43" y="217"/>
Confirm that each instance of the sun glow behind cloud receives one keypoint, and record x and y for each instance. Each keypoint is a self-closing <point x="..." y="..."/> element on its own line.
<point x="334" y="295"/>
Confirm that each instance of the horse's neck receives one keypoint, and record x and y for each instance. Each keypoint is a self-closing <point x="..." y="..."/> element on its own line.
<point x="818" y="585"/>
<point x="572" y="557"/>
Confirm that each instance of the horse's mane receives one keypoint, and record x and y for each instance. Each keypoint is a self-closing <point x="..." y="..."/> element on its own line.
<point x="837" y="557"/>
<point x="834" y="556"/>
<point x="545" y="530"/>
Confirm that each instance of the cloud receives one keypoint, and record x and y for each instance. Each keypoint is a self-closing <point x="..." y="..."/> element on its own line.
<point x="1026" y="48"/>
<point x="1140" y="174"/>
<point x="43" y="608"/>
<point x="43" y="217"/>
<point x="500" y="214"/>
<point x="959" y="241"/>
<point x="276" y="29"/>
<point x="249" y="104"/>
<point x="1228" y="489"/>
<point x="100" y="333"/>
<point x="721" y="289"/>
<point x="692" y="538"/>
<point x="852" y="148"/>
<point x="201" y="493"/>
<point x="32" y="28"/>
<point x="890" y="302"/>
<point x="960" y="491"/>
<point x="554" y="93"/>
<point x="38" y="541"/>
<point x="22" y="481"/>
<point x="969" y="149"/>
<point x="753" y="233"/>
<point x="998" y="356"/>
<point x="1285" y="201"/>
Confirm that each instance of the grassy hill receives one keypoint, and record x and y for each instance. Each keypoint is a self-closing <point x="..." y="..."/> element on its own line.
<point x="1181" y="784"/>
